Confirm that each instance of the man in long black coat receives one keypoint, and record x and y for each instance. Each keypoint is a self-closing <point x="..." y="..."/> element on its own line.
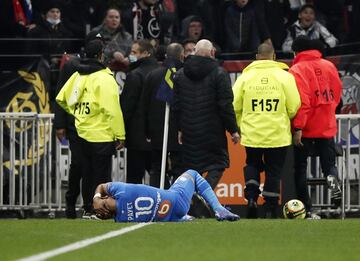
<point x="203" y="107"/>
<point x="142" y="62"/>
<point x="154" y="111"/>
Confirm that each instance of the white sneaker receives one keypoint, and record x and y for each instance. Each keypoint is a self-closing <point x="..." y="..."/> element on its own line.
<point x="310" y="215"/>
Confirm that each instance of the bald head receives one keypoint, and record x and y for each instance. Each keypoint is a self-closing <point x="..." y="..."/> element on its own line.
<point x="175" y="51"/>
<point x="265" y="52"/>
<point x="205" y="48"/>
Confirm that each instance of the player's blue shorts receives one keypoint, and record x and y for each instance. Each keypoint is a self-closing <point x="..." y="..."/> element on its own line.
<point x="184" y="187"/>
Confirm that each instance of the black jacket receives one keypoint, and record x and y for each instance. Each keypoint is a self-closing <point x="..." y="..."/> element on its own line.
<point x="203" y="107"/>
<point x="130" y="101"/>
<point x="154" y="109"/>
<point x="63" y="120"/>
<point x="45" y="31"/>
<point x="245" y="28"/>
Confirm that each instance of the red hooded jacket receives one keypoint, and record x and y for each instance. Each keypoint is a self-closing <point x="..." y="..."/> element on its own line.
<point x="320" y="90"/>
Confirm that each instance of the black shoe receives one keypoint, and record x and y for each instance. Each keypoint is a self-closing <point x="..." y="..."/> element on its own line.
<point x="252" y="209"/>
<point x="271" y="212"/>
<point x="70" y="212"/>
<point x="334" y="186"/>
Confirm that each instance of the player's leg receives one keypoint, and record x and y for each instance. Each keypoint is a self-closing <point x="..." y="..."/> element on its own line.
<point x="203" y="188"/>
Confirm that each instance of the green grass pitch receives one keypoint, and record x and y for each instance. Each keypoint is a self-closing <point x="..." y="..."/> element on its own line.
<point x="199" y="240"/>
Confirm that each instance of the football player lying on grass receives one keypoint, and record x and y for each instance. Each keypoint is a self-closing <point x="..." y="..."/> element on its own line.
<point x="142" y="203"/>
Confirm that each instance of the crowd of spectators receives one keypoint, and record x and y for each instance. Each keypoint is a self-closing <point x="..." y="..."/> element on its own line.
<point x="232" y="25"/>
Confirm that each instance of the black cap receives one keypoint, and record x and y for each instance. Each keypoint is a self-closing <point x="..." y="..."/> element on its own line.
<point x="50" y="5"/>
<point x="303" y="43"/>
<point x="94" y="48"/>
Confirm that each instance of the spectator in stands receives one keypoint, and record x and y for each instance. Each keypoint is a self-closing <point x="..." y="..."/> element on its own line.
<point x="192" y="28"/>
<point x="51" y="29"/>
<point x="151" y="19"/>
<point x="91" y="95"/>
<point x="315" y="125"/>
<point x="264" y="124"/>
<point x="353" y="14"/>
<point x="245" y="27"/>
<point x="307" y="25"/>
<point x="189" y="47"/>
<point x="80" y="16"/>
<point x="117" y="41"/>
<point x="275" y="15"/>
<point x="204" y="112"/>
<point x="16" y="18"/>
<point x="154" y="111"/>
<point x="142" y="62"/>
<point x="117" y="199"/>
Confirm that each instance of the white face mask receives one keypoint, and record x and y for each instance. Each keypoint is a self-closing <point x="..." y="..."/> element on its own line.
<point x="53" y="21"/>
<point x="132" y="58"/>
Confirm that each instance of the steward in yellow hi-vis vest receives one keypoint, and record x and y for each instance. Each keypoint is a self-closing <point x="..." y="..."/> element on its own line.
<point x="265" y="99"/>
<point x="91" y="95"/>
<point x="93" y="99"/>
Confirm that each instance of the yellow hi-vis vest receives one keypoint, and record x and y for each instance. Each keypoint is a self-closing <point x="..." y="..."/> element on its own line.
<point x="93" y="99"/>
<point x="265" y="100"/>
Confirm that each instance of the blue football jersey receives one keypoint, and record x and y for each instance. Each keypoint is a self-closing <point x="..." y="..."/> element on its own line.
<point x="141" y="203"/>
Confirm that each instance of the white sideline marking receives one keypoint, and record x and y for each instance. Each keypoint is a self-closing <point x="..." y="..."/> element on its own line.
<point x="82" y="243"/>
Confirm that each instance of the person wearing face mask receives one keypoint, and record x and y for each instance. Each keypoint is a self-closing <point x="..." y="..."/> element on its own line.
<point x="142" y="62"/>
<point x="117" y="40"/>
<point x="308" y="26"/>
<point x="50" y="27"/>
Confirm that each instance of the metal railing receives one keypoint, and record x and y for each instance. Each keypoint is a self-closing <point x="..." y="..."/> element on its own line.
<point x="26" y="161"/>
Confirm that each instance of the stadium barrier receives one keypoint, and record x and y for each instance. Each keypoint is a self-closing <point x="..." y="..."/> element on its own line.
<point x="26" y="148"/>
<point x="29" y="179"/>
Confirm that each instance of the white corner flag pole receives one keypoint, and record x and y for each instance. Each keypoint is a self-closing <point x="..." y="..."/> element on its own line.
<point x="164" y="148"/>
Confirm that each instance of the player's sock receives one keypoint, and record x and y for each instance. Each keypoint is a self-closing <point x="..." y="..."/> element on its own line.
<point x="203" y="188"/>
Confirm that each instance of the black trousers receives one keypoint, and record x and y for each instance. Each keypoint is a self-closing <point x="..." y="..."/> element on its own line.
<point x="173" y="171"/>
<point x="75" y="170"/>
<point x="137" y="162"/>
<point x="272" y="161"/>
<point x="325" y="149"/>
<point x="96" y="163"/>
<point x="213" y="177"/>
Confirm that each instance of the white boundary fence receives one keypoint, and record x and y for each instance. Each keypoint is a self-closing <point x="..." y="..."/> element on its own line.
<point x="34" y="170"/>
<point x="32" y="177"/>
<point x="25" y="161"/>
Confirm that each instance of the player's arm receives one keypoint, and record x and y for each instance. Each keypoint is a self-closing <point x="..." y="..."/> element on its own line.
<point x="98" y="201"/>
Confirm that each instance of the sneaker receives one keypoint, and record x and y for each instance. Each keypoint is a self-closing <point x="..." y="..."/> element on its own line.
<point x="334" y="186"/>
<point x="87" y="215"/>
<point x="224" y="214"/>
<point x="187" y="218"/>
<point x="252" y="209"/>
<point x="311" y="215"/>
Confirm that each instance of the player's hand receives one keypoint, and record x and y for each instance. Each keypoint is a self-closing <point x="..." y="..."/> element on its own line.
<point x="100" y="207"/>
<point x="179" y="137"/>
<point x="297" y="138"/>
<point x="235" y="137"/>
<point x="61" y="134"/>
<point x="119" y="144"/>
